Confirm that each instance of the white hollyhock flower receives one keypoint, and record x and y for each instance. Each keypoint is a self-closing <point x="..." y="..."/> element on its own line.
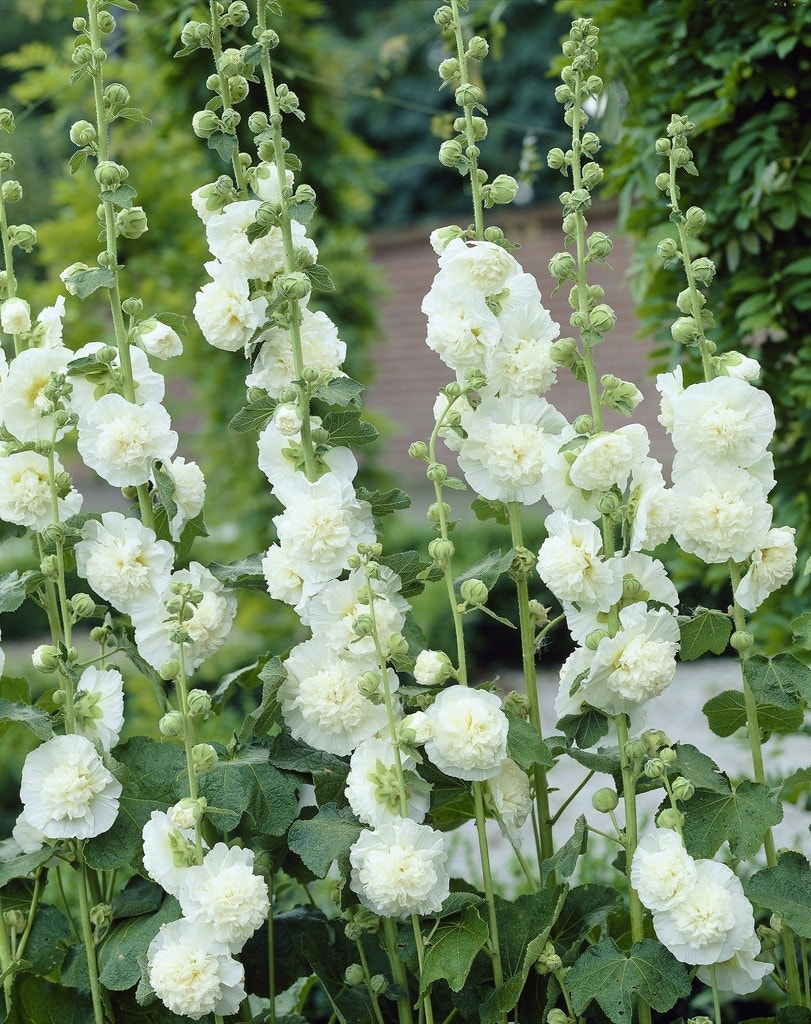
<point x="636" y="664"/>
<point x="122" y="559"/>
<point x="169" y="851"/>
<point x="49" y="324"/>
<point x="28" y="838"/>
<point x="670" y="386"/>
<point x="720" y="513"/>
<point x="149" y="386"/>
<point x="98" y="705"/>
<point x="321" y="350"/>
<point x="372" y="789"/>
<point x="741" y="973"/>
<point x="24" y="408"/>
<point x="431" y="668"/>
<point x="399" y="869"/>
<point x="192" y="975"/>
<point x="224" y="310"/>
<point x="66" y="791"/>
<point x="280" y="460"/>
<point x="559" y="492"/>
<point x="321" y="699"/>
<point x="322" y="526"/>
<point x="651" y="506"/>
<point x="511" y="798"/>
<point x="15" y="316"/>
<point x="283" y="582"/>
<point x="724" y="421"/>
<point x="502" y="455"/>
<point x="207" y="629"/>
<point x="189" y="494"/>
<point x="25" y="492"/>
<point x="333" y="612"/>
<point x="461" y="327"/>
<point x="570" y="563"/>
<point x="711" y="921"/>
<point x="482" y="265"/>
<point x="265" y="181"/>
<point x="159" y="339"/>
<point x="470" y="733"/>
<point x="261" y="259"/>
<point x="608" y="458"/>
<point x="772" y="566"/>
<point x="739" y="366"/>
<point x="120" y="440"/>
<point x="662" y="871"/>
<point x="521" y="363"/>
<point x="225" y="896"/>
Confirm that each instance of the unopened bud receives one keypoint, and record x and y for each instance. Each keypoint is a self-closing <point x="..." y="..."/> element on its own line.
<point x="171" y="725"/>
<point x="474" y="592"/>
<point x="682" y="788"/>
<point x="109" y="174"/>
<point x="667" y="249"/>
<point x="204" y="123"/>
<point x="670" y="818"/>
<point x="604" y="800"/>
<point x="204" y="758"/>
<point x="441" y="550"/>
<point x="45" y="658"/>
<point x="131" y="223"/>
<point x="354" y="975"/>
<point x="83" y="606"/>
<point x="741" y="640"/>
<point x="562" y="266"/>
<point x="199" y="702"/>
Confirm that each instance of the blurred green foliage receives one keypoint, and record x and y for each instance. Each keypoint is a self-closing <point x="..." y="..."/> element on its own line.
<point x="737" y="71"/>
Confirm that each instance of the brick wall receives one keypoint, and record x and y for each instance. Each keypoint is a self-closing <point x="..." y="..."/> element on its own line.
<point x="409" y="373"/>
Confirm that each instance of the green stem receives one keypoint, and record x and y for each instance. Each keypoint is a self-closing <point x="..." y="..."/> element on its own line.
<point x="225" y="92"/>
<point x="271" y="958"/>
<point x="5" y="960"/>
<point x="716" y="1006"/>
<point x="472" y="150"/>
<point x="87" y="935"/>
<point x="484" y="856"/>
<point x="368" y="979"/>
<point x="398" y="971"/>
<point x="32" y="913"/>
<point x="572" y="796"/>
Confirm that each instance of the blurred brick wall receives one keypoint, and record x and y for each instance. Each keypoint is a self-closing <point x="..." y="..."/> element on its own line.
<point x="409" y="374"/>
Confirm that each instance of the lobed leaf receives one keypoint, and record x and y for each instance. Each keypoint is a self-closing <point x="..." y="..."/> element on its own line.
<point x="785" y="889"/>
<point x="707" y="630"/>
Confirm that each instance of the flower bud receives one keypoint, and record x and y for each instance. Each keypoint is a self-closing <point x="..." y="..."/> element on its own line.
<point x="503" y="189"/>
<point x="83" y="606"/>
<point x="432" y="668"/>
<point x="23" y="236"/>
<point x="116" y="97"/>
<point x="662" y="146"/>
<point x="662" y="181"/>
<point x="602" y="318"/>
<point x="82" y="133"/>
<point x="187" y="813"/>
<point x="449" y="69"/>
<point x="653" y="740"/>
<point x="563" y="94"/>
<point x="204" y="758"/>
<point x="45" y="658"/>
<point x="474" y="592"/>
<point x="599" y="245"/>
<point x="15" y="316"/>
<point x="681" y="156"/>
<point x="369" y="683"/>
<point x="295" y="285"/>
<point x="6" y="162"/>
<point x="694" y="220"/>
<point x="685" y="330"/>
<point x="593" y="639"/>
<point x="682" y="788"/>
<point x="354" y="975"/>
<point x="418" y="450"/>
<point x="437" y="473"/>
<point x="562" y="266"/>
<point x="437" y="510"/>
<point x="604" y="800"/>
<point x="6" y="120"/>
<point x="379" y="984"/>
<point x="397" y="645"/>
<point x="670" y="818"/>
<point x="169" y="669"/>
<point x="477" y="48"/>
<point x="591" y="175"/>
<point x="204" y="123"/>
<point x="741" y="640"/>
<point x="199" y="702"/>
<point x="415" y="729"/>
<point x="441" y="550"/>
<point x="635" y="749"/>
<point x="171" y="725"/>
<point x="667" y="249"/>
<point x="451" y="153"/>
<point x="564" y="352"/>
<point x="557" y="1017"/>
<point x="467" y="95"/>
<point x="238" y="13"/>
<point x="654" y="768"/>
<point x="704" y="270"/>
<point x="131" y="223"/>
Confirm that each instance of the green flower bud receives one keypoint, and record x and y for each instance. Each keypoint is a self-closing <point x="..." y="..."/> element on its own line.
<point x="45" y="658"/>
<point x="670" y="818"/>
<point x="437" y="510"/>
<point x="116" y="97"/>
<point x="653" y="741"/>
<point x="681" y="155"/>
<point x="109" y="174"/>
<point x="49" y="567"/>
<point x="704" y="270"/>
<point x="474" y="592"/>
<point x="188" y="813"/>
<point x="562" y="266"/>
<point x="437" y="473"/>
<point x="662" y="181"/>
<point x="593" y="639"/>
<point x="668" y="755"/>
<point x="769" y="938"/>
<point x="667" y="249"/>
<point x="557" y="1017"/>
<point x="199" y="702"/>
<point x="741" y="640"/>
<point x="467" y="95"/>
<point x="477" y="48"/>
<point x="563" y="94"/>
<point x="694" y="220"/>
<point x="685" y="330"/>
<point x="169" y="669"/>
<point x="418" y="450"/>
<point x="503" y="189"/>
<point x="171" y="725"/>
<point x="548" y="960"/>
<point x="599" y="245"/>
<point x="662" y="146"/>
<point x="83" y="133"/>
<point x="451" y="153"/>
<point x="679" y="125"/>
<point x="602" y="318"/>
<point x="230" y="119"/>
<point x="6" y="120"/>
<point x="517" y="704"/>
<point x="12" y="191"/>
<point x="564" y="352"/>
<point x="604" y="800"/>
<point x="369" y="684"/>
<point x="583" y="424"/>
<point x="237" y="88"/>
<point x="23" y="236"/>
<point x="354" y="975"/>
<point x="397" y="645"/>
<point x="82" y="606"/>
<point x="441" y="550"/>
<point x="682" y="788"/>
<point x="14" y="919"/>
<point x="449" y="69"/>
<point x="204" y="758"/>
<point x="654" y="768"/>
<point x="131" y="223"/>
<point x="238" y="13"/>
<point x="204" y="123"/>
<point x="295" y="285"/>
<point x="572" y="115"/>
<point x="83" y="55"/>
<point x="591" y="175"/>
<point x="635" y="749"/>
<point x="6" y="162"/>
<point x="608" y="502"/>
<point x="101" y="915"/>
<point x="379" y="984"/>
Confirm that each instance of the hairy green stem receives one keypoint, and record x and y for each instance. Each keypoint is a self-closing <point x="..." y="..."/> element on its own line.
<point x="398" y="971"/>
<point x="484" y="856"/>
<point x="87" y="936"/>
<point x="472" y="150"/>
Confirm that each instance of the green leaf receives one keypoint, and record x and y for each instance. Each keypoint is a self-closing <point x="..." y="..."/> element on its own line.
<point x="121" y="196"/>
<point x="34" y="719"/>
<point x="118" y="954"/>
<point x="740" y="817"/>
<point x="14" y="588"/>
<point x="325" y="838"/>
<point x="525" y="746"/>
<point x="165" y="487"/>
<point x="134" y="114"/>
<point x="246" y="573"/>
<point x="707" y="630"/>
<point x="249" y="783"/>
<point x="778" y="680"/>
<point x="301" y="211"/>
<point x="453" y="949"/>
<point x="51" y="934"/>
<point x="801" y="627"/>
<point x="347" y="428"/>
<point x="384" y="503"/>
<point x="489" y="570"/>
<point x="726" y="713"/>
<point x="604" y="973"/>
<point x="585" y="907"/>
<point x="585" y="729"/>
<point x="320" y="278"/>
<point x="224" y="144"/>
<point x="699" y="769"/>
<point x="564" y="860"/>
<point x="24" y="865"/>
<point x="254" y="416"/>
<point x="410" y="568"/>
<point x="785" y="889"/>
<point x="484" y="508"/>
<point x="36" y="1001"/>
<point x="87" y="281"/>
<point x="340" y="391"/>
<point x="792" y="1015"/>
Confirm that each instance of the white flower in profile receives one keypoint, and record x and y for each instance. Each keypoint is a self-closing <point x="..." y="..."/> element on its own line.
<point x="461" y="327"/>
<point x="670" y="386"/>
<point x="559" y="491"/>
<point x="15" y="316"/>
<point x="122" y="560"/>
<point x="321" y="699"/>
<point x="120" y="440"/>
<point x="651" y="507"/>
<point x="723" y="421"/>
<point x="322" y="526"/>
<point x="333" y="612"/>
<point x="608" y="458"/>
<point x="662" y="871"/>
<point x="28" y="838"/>
<point x="189" y="494"/>
<point x="224" y="310"/>
<point x="432" y="668"/>
<point x="66" y="791"/>
<point x="225" y="896"/>
<point x="321" y="350"/>
<point x="452" y="415"/>
<point x="261" y="259"/>
<point x="720" y="513"/>
<point x="283" y="582"/>
<point x="372" y="788"/>
<point x="49" y="324"/>
<point x="149" y="386"/>
<point x="711" y="921"/>
<point x="502" y="455"/>
<point x="24" y="408"/>
<point x="159" y="339"/>
<point x="191" y="974"/>
<point x="570" y="563"/>
<point x="470" y="733"/>
<point x="479" y="264"/>
<point x="265" y="181"/>
<point x="636" y="664"/>
<point x="399" y="869"/>
<point x="25" y="491"/>
<point x="168" y="851"/>
<point x="741" y="973"/>
<point x="207" y="629"/>
<point x="511" y="798"/>
<point x="280" y="460"/>
<point x="772" y="566"/>
<point x="739" y="366"/>
<point x="98" y="705"/>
